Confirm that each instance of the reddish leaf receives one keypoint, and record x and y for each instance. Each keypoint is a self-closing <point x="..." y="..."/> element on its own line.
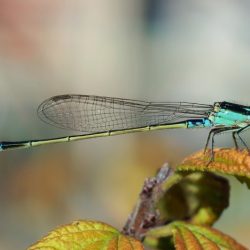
<point x="226" y="161"/>
<point x="189" y="236"/>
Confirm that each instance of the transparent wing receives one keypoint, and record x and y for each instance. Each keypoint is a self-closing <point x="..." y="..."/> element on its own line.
<point x="91" y="114"/>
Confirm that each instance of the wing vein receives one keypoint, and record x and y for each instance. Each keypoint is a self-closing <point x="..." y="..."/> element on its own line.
<point x="90" y="114"/>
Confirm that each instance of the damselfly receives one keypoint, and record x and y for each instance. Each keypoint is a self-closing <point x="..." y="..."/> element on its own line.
<point x="97" y="116"/>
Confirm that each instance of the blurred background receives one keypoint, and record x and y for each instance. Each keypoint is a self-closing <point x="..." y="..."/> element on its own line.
<point x="154" y="50"/>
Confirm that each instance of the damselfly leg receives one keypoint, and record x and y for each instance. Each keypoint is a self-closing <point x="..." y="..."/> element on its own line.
<point x="216" y="131"/>
<point x="237" y="132"/>
<point x="213" y="132"/>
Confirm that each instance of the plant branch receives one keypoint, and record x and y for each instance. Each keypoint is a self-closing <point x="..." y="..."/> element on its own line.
<point x="145" y="215"/>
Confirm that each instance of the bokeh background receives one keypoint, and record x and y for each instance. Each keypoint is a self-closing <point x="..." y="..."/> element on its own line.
<point x="156" y="50"/>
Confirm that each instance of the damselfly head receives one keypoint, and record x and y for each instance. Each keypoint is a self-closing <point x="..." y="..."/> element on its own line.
<point x="217" y="106"/>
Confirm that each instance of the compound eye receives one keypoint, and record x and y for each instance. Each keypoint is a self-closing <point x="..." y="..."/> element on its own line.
<point x="216" y="107"/>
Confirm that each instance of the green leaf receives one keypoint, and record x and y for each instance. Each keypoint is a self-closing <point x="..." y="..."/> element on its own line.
<point x="190" y="236"/>
<point x="198" y="197"/>
<point x="86" y="235"/>
<point x="243" y="179"/>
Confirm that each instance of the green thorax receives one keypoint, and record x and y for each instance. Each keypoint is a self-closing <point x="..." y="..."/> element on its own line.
<point x="230" y="114"/>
